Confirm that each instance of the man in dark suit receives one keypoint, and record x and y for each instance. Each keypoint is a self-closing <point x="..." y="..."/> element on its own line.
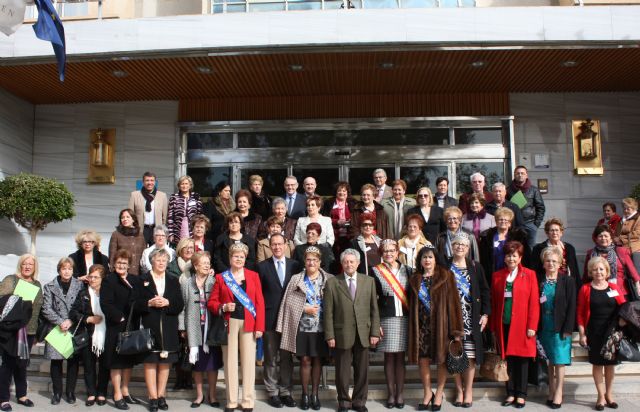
<point x="351" y="326"/>
<point x="499" y="191"/>
<point x="296" y="202"/>
<point x="275" y="274"/>
<point x="442" y="198"/>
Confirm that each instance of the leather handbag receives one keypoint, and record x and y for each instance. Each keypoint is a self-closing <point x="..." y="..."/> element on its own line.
<point x="79" y="340"/>
<point x="457" y="363"/>
<point x="494" y="368"/>
<point x="218" y="332"/>
<point x="134" y="342"/>
<point x="628" y="351"/>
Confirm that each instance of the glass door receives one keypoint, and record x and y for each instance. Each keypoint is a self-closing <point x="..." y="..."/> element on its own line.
<point x="358" y="175"/>
<point x="326" y="177"/>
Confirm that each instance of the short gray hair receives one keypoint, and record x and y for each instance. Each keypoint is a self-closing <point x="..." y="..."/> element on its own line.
<point x="277" y="201"/>
<point x="291" y="177"/>
<point x="158" y="252"/>
<point x="476" y="174"/>
<point x="351" y="252"/>
<point x="375" y="172"/>
<point x="497" y="185"/>
<point x="161" y="229"/>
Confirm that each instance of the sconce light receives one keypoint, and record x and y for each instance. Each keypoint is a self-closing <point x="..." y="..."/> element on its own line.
<point x="101" y="156"/>
<point x="587" y="140"/>
<point x="587" y="147"/>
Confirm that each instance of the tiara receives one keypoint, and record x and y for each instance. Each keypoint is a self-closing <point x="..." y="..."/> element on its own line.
<point x="312" y="249"/>
<point x="461" y="237"/>
<point x="388" y="241"/>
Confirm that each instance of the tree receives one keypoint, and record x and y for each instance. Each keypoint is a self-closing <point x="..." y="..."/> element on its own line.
<point x="34" y="201"/>
<point x="635" y="192"/>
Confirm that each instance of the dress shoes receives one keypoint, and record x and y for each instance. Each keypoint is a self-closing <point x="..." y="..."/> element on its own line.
<point x="288" y="401"/>
<point x="599" y="407"/>
<point x="5" y="407"/>
<point x="519" y="405"/>
<point x="162" y="404"/>
<point x="27" y="402"/>
<point x="555" y="405"/>
<point x="343" y="409"/>
<point x="153" y="405"/>
<point x="247" y="409"/>
<point x="361" y="409"/>
<point x="214" y="404"/>
<point x="101" y="402"/>
<point x="507" y="402"/>
<point x="467" y="404"/>
<point x="612" y="405"/>
<point x="121" y="404"/>
<point x="274" y="402"/>
<point x="229" y="409"/>
<point x="315" y="403"/>
<point x="55" y="399"/>
<point x="195" y="404"/>
<point x="131" y="400"/>
<point x="71" y="398"/>
<point x="90" y="402"/>
<point x="305" y="403"/>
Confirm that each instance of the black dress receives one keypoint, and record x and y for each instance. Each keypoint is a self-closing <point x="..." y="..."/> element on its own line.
<point x="602" y="310"/>
<point x="424" y="328"/>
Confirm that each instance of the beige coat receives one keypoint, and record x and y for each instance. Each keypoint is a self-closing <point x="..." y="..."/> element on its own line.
<point x="390" y="210"/>
<point x="628" y="233"/>
<point x="402" y="245"/>
<point x="263" y="251"/>
<point x="161" y="204"/>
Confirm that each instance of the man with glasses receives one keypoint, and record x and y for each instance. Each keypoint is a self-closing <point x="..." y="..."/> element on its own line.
<point x="477" y="186"/>
<point x="383" y="191"/>
<point x="296" y="202"/>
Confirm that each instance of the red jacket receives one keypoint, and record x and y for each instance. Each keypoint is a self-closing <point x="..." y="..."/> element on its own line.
<point x="221" y="294"/>
<point x="524" y="314"/>
<point x="613" y="224"/>
<point x="584" y="302"/>
<point x="625" y="267"/>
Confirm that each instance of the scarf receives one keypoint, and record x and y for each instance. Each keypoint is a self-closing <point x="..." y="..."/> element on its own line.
<point x="128" y="231"/>
<point x="523" y="187"/>
<point x="448" y="247"/>
<point x="21" y="336"/>
<point x="185" y="268"/>
<point x="476" y="217"/>
<point x="224" y="208"/>
<point x="148" y="197"/>
<point x="100" y="329"/>
<point x="612" y="257"/>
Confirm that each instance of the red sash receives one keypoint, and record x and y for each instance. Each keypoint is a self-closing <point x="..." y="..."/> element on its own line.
<point x="394" y="284"/>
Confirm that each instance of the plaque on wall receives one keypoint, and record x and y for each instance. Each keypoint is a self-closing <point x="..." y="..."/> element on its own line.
<point x="587" y="148"/>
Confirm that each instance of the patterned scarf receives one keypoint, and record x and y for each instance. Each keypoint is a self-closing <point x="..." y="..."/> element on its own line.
<point x="476" y="217"/>
<point x="21" y="337"/>
<point x="148" y="197"/>
<point x="612" y="257"/>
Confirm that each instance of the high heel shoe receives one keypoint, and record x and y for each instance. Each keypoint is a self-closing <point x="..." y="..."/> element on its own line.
<point x="612" y="405"/>
<point x="121" y="404"/>
<point x="195" y="404"/>
<point x="315" y="402"/>
<point x="429" y="405"/>
<point x="436" y="407"/>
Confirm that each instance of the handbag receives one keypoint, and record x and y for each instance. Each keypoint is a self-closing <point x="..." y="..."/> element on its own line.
<point x="494" y="368"/>
<point x="218" y="332"/>
<point x="457" y="363"/>
<point x="134" y="342"/>
<point x="538" y="374"/>
<point x="183" y="358"/>
<point x="44" y="327"/>
<point x="79" y="340"/>
<point x="628" y="351"/>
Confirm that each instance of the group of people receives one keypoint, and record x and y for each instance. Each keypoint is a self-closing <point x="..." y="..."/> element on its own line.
<point x="325" y="279"/>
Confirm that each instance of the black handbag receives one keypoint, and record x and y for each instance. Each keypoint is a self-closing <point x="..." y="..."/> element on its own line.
<point x="632" y="292"/>
<point x="628" y="351"/>
<point x="79" y="340"/>
<point x="218" y="332"/>
<point x="183" y="359"/>
<point x="44" y="327"/>
<point x="134" y="342"/>
<point x="457" y="363"/>
<point x="538" y="374"/>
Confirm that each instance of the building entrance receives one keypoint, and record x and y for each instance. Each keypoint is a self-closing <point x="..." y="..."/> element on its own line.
<point x="416" y="150"/>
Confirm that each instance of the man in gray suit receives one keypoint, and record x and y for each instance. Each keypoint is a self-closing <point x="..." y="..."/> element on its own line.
<point x="351" y="326"/>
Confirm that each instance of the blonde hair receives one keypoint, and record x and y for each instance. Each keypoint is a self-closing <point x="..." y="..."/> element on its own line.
<point x="552" y="250"/>
<point x="21" y="260"/>
<point x="198" y="256"/>
<point x="630" y="202"/>
<point x="256" y="178"/>
<point x="183" y="243"/>
<point x="238" y="247"/>
<point x="504" y="212"/>
<point x="182" y="179"/>
<point x="87" y="234"/>
<point x="595" y="261"/>
<point x="426" y="189"/>
<point x="451" y="210"/>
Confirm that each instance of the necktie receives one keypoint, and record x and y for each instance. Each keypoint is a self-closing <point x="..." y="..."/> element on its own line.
<point x="352" y="288"/>
<point x="281" y="273"/>
<point x="290" y="205"/>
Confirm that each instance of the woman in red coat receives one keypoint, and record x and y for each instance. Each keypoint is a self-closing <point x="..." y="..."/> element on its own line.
<point x="598" y="302"/>
<point x="515" y="310"/>
<point x="244" y="312"/>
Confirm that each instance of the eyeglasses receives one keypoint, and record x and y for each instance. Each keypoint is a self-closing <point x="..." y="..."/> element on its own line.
<point x="367" y="225"/>
<point x="389" y="251"/>
<point x="452" y="219"/>
<point x="88" y="241"/>
<point x="460" y="245"/>
<point x="423" y="195"/>
<point x="122" y="264"/>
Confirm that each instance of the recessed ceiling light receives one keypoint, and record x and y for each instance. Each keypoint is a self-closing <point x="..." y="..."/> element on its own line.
<point x="296" y="67"/>
<point x="478" y="64"/>
<point x="570" y="63"/>
<point x="119" y="73"/>
<point x="204" y="69"/>
<point x="387" y="65"/>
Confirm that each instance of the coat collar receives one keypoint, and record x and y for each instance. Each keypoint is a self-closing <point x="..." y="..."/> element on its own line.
<point x="74" y="288"/>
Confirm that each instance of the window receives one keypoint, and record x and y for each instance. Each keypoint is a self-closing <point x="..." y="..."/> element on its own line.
<point x="478" y="136"/>
<point x="493" y="172"/>
<point x="422" y="176"/>
<point x="200" y="141"/>
<point x="206" y="178"/>
<point x="273" y="179"/>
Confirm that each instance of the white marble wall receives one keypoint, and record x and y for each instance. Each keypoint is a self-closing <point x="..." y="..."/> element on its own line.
<point x="16" y="151"/>
<point x="145" y="140"/>
<point x="543" y="125"/>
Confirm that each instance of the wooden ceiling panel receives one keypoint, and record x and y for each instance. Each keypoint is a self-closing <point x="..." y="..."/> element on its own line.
<point x="327" y="73"/>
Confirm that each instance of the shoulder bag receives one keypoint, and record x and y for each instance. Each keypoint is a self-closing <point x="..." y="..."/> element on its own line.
<point x="134" y="342"/>
<point x="218" y="332"/>
<point x="494" y="368"/>
<point x="80" y="340"/>
<point x="457" y="363"/>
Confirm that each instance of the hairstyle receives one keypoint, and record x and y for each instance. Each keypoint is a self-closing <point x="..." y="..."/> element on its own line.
<point x="123" y="254"/>
<point x="87" y="234"/>
<point x="429" y="193"/>
<point x="350" y="252"/>
<point x="256" y="178"/>
<point x="231" y="217"/>
<point x="598" y="260"/>
<point x="611" y="205"/>
<point x="284" y="240"/>
<point x="314" y="226"/>
<point x="476" y="174"/>
<point x="220" y="186"/>
<point x="244" y="193"/>
<point x="64" y="261"/>
<point x="426" y="249"/>
<point x="136" y="224"/>
<point x="238" y="247"/>
<point x="278" y="201"/>
<point x="315" y="198"/>
<point x="304" y="181"/>
<point x="416" y="218"/>
<point x="343" y="185"/>
<point x="399" y="182"/>
<point x="312" y="250"/>
<point x="552" y="250"/>
<point x="513" y="246"/>
<point x="157" y="253"/>
<point x="291" y="177"/>
<point x="98" y="268"/>
<point x="182" y="179"/>
<point x="375" y="172"/>
<point x="452" y="210"/>
<point x="602" y="228"/>
<point x="441" y="179"/>
<point x="273" y="220"/>
<point x="197" y="257"/>
<point x="461" y="237"/>
<point x="368" y="186"/>
<point x="149" y="174"/>
<point x="366" y="216"/>
<point x="551" y="222"/>
<point x="183" y="244"/>
<point x="504" y="212"/>
<point x="521" y="167"/>
<point x="160" y="229"/>
<point x="630" y="202"/>
<point x="497" y="185"/>
<point x="386" y="242"/>
<point x="21" y="260"/>
<point x="477" y="196"/>
<point x="201" y="219"/>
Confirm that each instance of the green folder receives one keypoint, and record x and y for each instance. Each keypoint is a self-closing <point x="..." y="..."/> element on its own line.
<point x="26" y="290"/>
<point x="61" y="341"/>
<point x="519" y="199"/>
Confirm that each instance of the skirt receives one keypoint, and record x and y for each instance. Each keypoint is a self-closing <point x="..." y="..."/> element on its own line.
<point x="154" y="357"/>
<point x="208" y="362"/>
<point x="311" y="344"/>
<point x="395" y="331"/>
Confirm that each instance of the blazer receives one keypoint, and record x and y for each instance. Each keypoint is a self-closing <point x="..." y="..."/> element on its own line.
<point x="264" y="249"/>
<point x="56" y="307"/>
<point x="525" y="313"/>
<point x="189" y="318"/>
<point x="161" y="207"/>
<point x="628" y="233"/>
<point x="326" y="255"/>
<point x="387" y="193"/>
<point x="382" y="221"/>
<point x="434" y="225"/>
<point x="518" y="220"/>
<point x="485" y="246"/>
<point x="272" y="290"/>
<point x="288" y="229"/>
<point x="163" y="322"/>
<point x="583" y="312"/>
<point x="134" y="244"/>
<point x="463" y="204"/>
<point x="221" y="252"/>
<point x="326" y="236"/>
<point x="486" y="223"/>
<point x="390" y="210"/>
<point x="571" y="261"/>
<point x="564" y="309"/>
<point x="386" y="296"/>
<point x="80" y="265"/>
<point x="346" y="320"/>
<point x="176" y="214"/>
<point x="221" y="294"/>
<point x="299" y="206"/>
<point x="448" y="202"/>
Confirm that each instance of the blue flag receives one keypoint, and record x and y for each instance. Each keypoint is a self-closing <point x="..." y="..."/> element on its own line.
<point x="49" y="27"/>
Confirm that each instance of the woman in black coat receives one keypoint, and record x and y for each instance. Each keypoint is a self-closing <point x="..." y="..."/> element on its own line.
<point x="233" y="234"/>
<point x="159" y="302"/>
<point x="434" y="221"/>
<point x="88" y="242"/>
<point x="86" y="310"/>
<point x="217" y="209"/>
<point x="117" y="297"/>
<point x="554" y="228"/>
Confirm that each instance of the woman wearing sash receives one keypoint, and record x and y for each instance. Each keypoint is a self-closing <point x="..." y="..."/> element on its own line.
<point x="392" y="279"/>
<point x="475" y="304"/>
<point x="300" y="323"/>
<point x="435" y="319"/>
<point x="237" y="295"/>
